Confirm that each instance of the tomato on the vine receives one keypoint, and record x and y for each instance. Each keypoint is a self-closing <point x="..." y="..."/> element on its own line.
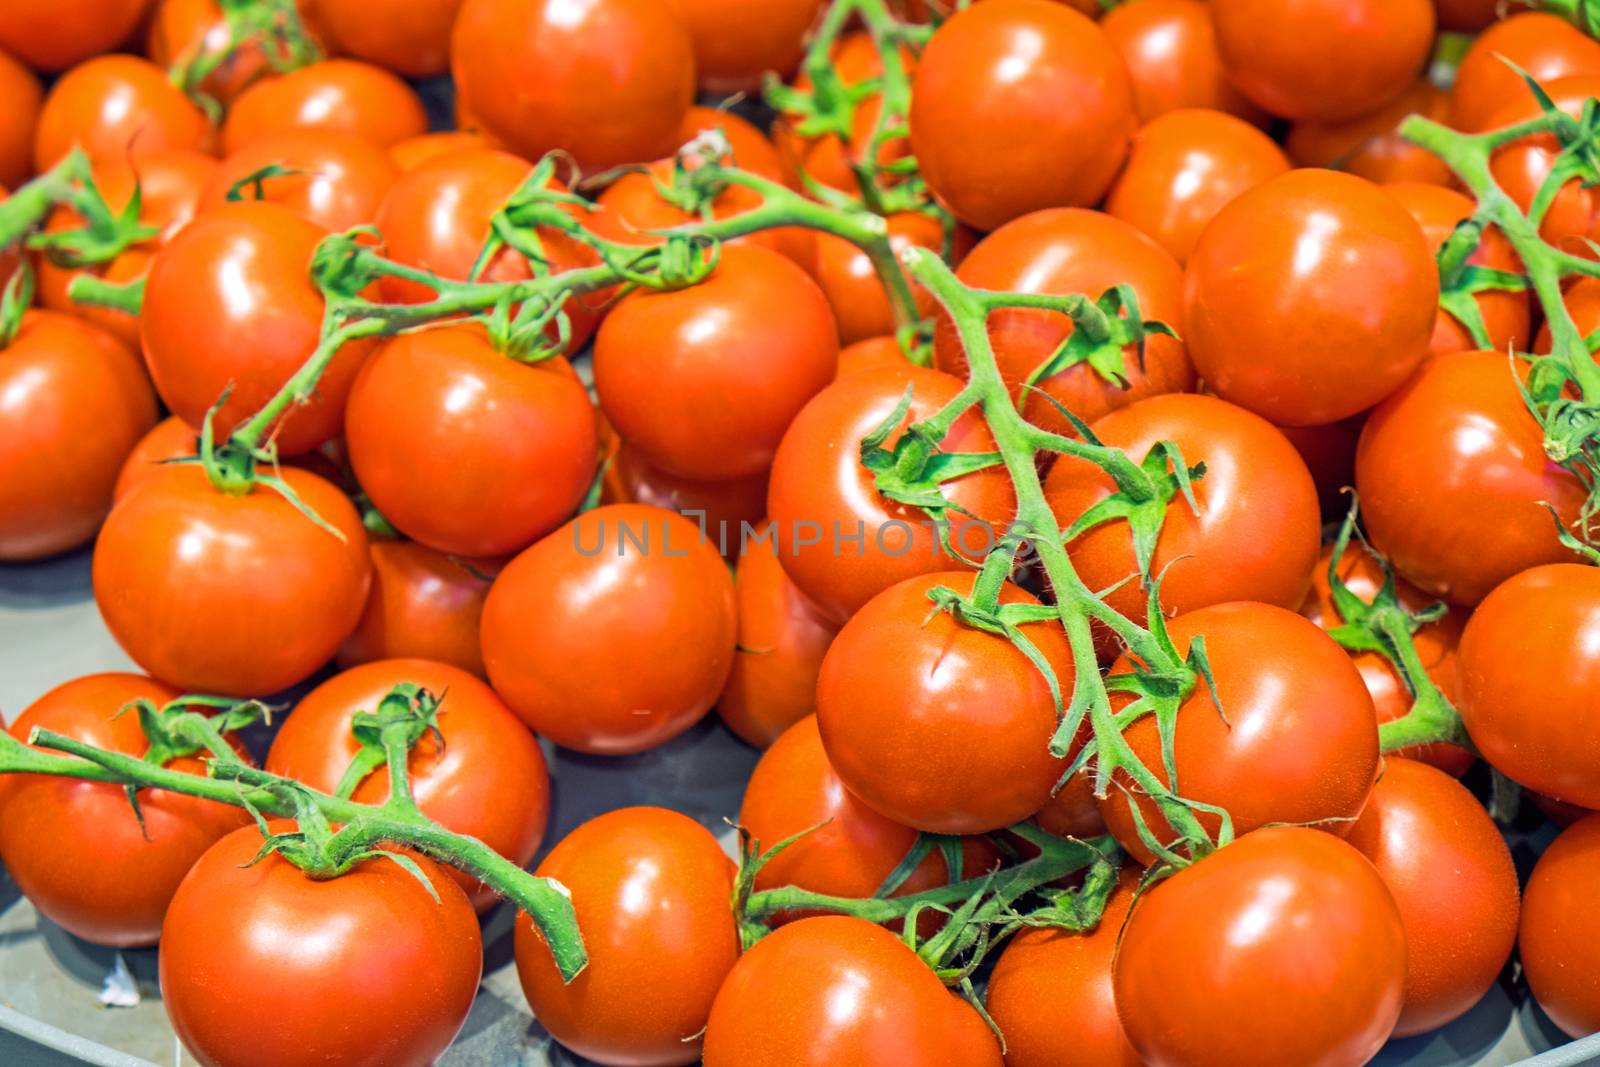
<point x="852" y="284"/>
<point x="424" y="604"/>
<point x="737" y="43"/>
<point x="193" y="30"/>
<point x="1170" y="48"/>
<point x="171" y="438"/>
<point x="24" y="96"/>
<point x="1370" y="146"/>
<point x="1547" y="46"/>
<point x="338" y="95"/>
<point x="752" y="149"/>
<point x="1559" y="939"/>
<point x="825" y="158"/>
<point x="1572" y="219"/>
<point x="409" y="37"/>
<point x="116" y="106"/>
<point x="336" y="181"/>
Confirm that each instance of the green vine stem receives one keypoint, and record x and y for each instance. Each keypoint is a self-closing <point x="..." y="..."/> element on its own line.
<point x="273" y="28"/>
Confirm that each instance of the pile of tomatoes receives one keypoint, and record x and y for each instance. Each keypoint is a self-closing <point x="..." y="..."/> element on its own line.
<point x="1130" y="466"/>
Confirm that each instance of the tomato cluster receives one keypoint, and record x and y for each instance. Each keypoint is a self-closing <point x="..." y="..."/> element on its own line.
<point x="1131" y="468"/>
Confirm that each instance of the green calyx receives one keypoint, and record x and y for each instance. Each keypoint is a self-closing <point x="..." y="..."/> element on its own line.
<point x="1102" y="331"/>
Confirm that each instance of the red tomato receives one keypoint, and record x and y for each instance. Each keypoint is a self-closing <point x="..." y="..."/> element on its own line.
<point x="1471" y="16"/>
<point x="1323" y="59"/>
<point x="1289" y="929"/>
<point x="338" y="95"/>
<point x="752" y="150"/>
<point x="825" y="158"/>
<point x="465" y="449"/>
<point x="1572" y="219"/>
<point x="1310" y="298"/>
<point x="853" y="288"/>
<point x="73" y="403"/>
<point x="835" y="989"/>
<point x="1185" y="167"/>
<point x="1329" y="452"/>
<point x="233" y="921"/>
<point x="238" y="595"/>
<point x="1258" y="653"/>
<point x="1530" y="663"/>
<point x="838" y="539"/>
<point x="726" y="512"/>
<point x="1450" y="874"/>
<point x="24" y="96"/>
<point x="1170" y="47"/>
<point x="1546" y="46"/>
<point x="1073" y="810"/>
<point x="1453" y="479"/>
<point x="413" y="152"/>
<point x="1255" y="536"/>
<point x="870" y="354"/>
<point x="1370" y="146"/>
<point x="76" y="849"/>
<point x="652" y="891"/>
<point x="171" y="438"/>
<point x="613" y="634"/>
<point x="988" y="122"/>
<point x="52" y="35"/>
<point x="1582" y="299"/>
<point x="737" y="43"/>
<point x="181" y="30"/>
<point x="409" y="37"/>
<point x="342" y="179"/>
<point x="116" y="106"/>
<point x="1559" y="940"/>
<point x="424" y="604"/>
<point x="1071" y="251"/>
<point x="607" y="81"/>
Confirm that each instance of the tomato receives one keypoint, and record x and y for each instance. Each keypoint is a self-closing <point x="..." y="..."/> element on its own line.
<point x="1170" y="47"/>
<point x="825" y="158"/>
<point x="1289" y="929"/>
<point x="782" y="639"/>
<point x="1454" y="479"/>
<point x="1071" y="251"/>
<point x="465" y="449"/>
<point x="1546" y="46"/>
<point x="181" y="30"/>
<point x="73" y="403"/>
<point x="342" y="179"/>
<point x="613" y="634"/>
<point x="1310" y="298"/>
<point x="424" y="604"/>
<point x="1254" y="537"/>
<point x="752" y="150"/>
<point x="409" y="37"/>
<point x="1472" y="16"/>
<point x="1559" y="940"/>
<point x="1572" y="219"/>
<point x="988" y="125"/>
<point x="171" y="438"/>
<point x="1073" y="810"/>
<point x="338" y="95"/>
<point x="52" y="35"/>
<point x="838" y="539"/>
<point x="1582" y="299"/>
<point x="238" y="595"/>
<point x="1558" y="811"/>
<point x="1043" y="969"/>
<point x="1258" y="653"/>
<point x="230" y="305"/>
<point x="652" y="889"/>
<point x="1451" y="875"/>
<point x="726" y="512"/>
<point x="835" y="989"/>
<point x="234" y="921"/>
<point x="76" y="849"/>
<point x="607" y="81"/>
<point x="870" y="354"/>
<point x="1185" y="167"/>
<point x="737" y="43"/>
<point x="116" y="106"/>
<point x="1329" y="452"/>
<point x="413" y="152"/>
<point x="24" y="97"/>
<point x="1370" y="146"/>
<point x="1436" y="644"/>
<point x="853" y="288"/>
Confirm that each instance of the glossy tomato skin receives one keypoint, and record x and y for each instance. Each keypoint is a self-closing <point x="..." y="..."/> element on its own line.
<point x="780" y="1005"/>
<point x="1572" y="219"/>
<point x="110" y="884"/>
<point x="1061" y="251"/>
<point x="409" y="37"/>
<point x="171" y="438"/>
<point x="608" y="82"/>
<point x="1545" y="45"/>
<point x="736" y="44"/>
<point x="1453" y="479"/>
<point x="1170" y="48"/>
<point x="651" y="889"/>
<point x="1310" y="298"/>
<point x="660" y="597"/>
<point x="728" y="513"/>
<point x="1370" y="146"/>
<point x="870" y="354"/>
<point x="1323" y="59"/>
<point x="116" y="106"/>
<point x="936" y="724"/>
<point x="1254" y="482"/>
<point x="424" y="147"/>
<point x="24" y="97"/>
<point x="1288" y="928"/>
<point x="852" y="286"/>
<point x="235" y="595"/>
<point x="1558" y="940"/>
<point x="339" y="95"/>
<point x="342" y="179"/>
<point x="465" y="449"/>
<point x="233" y="921"/>
<point x="1258" y="653"/>
<point x="73" y="402"/>
<point x="50" y="36"/>
<point x="424" y="604"/>
<point x="1451" y="876"/>
<point x="987" y="125"/>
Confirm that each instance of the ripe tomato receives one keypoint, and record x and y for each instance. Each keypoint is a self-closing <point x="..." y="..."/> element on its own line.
<point x="726" y="512"/>
<point x="613" y="634"/>
<point x="1323" y="59"/>
<point x="835" y="989"/>
<point x="465" y="449"/>
<point x="1529" y="665"/>
<point x="1559" y="940"/>
<point x="987" y="123"/>
<point x="651" y="888"/>
<point x="937" y="724"/>
<point x="116" y="106"/>
<point x="1451" y="876"/>
<point x="341" y="179"/>
<point x="338" y="95"/>
<point x="870" y="354"/>
<point x="234" y="921"/>
<point x="752" y="150"/>
<point x="1329" y="452"/>
<point x="1472" y="16"/>
<point x="1370" y="146"/>
<point x="1071" y="251"/>
<point x="826" y="158"/>
<point x="1546" y="46"/>
<point x="853" y="288"/>
<point x="24" y="96"/>
<point x="238" y="595"/>
<point x="73" y="403"/>
<point x="1255" y="536"/>
<point x="608" y="81"/>
<point x="737" y="43"/>
<point x="424" y="604"/>
<point x="171" y="438"/>
<point x="782" y="639"/>
<point x="409" y="37"/>
<point x="1170" y="48"/>
<point x="426" y="147"/>
<point x="77" y="849"/>
<point x="1185" y="167"/>
<point x="1436" y="643"/>
<point x="181" y="30"/>
<point x="838" y="539"/>
<point x="1582" y="299"/>
<point x="1073" y="810"/>
<point x="1289" y="928"/>
<point x="1572" y="219"/>
<point x="1310" y="298"/>
<point x="1453" y="479"/>
<point x="52" y="35"/>
<point x="1258" y="653"/>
